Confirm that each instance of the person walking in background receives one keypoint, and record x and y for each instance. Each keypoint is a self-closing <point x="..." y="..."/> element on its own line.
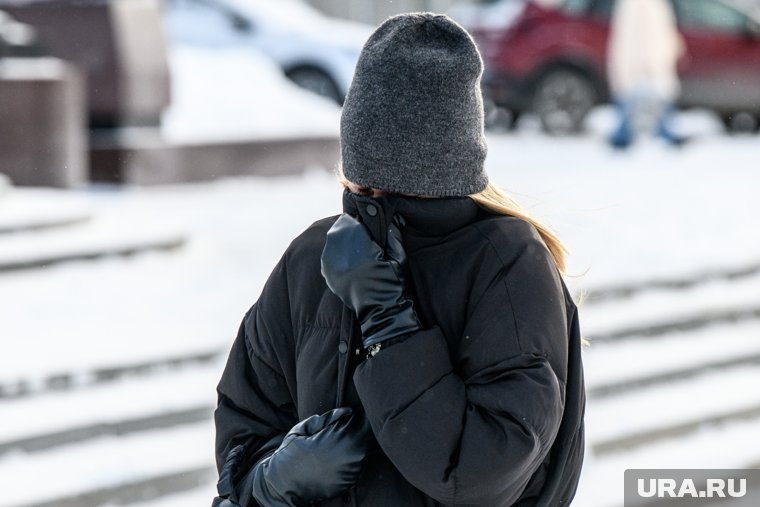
<point x="643" y="52"/>
<point x="421" y="348"/>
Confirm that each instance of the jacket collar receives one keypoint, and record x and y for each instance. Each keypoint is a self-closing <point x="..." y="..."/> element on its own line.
<point x="424" y="220"/>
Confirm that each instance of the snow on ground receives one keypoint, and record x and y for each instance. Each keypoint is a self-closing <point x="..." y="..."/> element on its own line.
<point x="117" y="311"/>
<point x="169" y="391"/>
<point x="710" y="447"/>
<point x="675" y="351"/>
<point x="659" y="306"/>
<point x="664" y="405"/>
<point x="38" y="207"/>
<point x="200" y="497"/>
<point x="105" y="461"/>
<point x="101" y="233"/>
<point x="654" y="212"/>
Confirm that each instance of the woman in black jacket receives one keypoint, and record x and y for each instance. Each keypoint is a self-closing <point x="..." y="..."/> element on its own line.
<point x="421" y="348"/>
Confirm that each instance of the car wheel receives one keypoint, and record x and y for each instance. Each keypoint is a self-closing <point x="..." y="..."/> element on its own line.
<point x="741" y="122"/>
<point x="562" y="99"/>
<point x="498" y="118"/>
<point x="317" y="81"/>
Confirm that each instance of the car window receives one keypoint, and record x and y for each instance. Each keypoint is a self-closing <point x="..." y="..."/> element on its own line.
<point x="710" y="15"/>
<point x="576" y="7"/>
<point x="602" y="9"/>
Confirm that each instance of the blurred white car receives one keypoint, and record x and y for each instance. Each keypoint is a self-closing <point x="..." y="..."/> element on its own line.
<point x="316" y="52"/>
<point x="486" y="14"/>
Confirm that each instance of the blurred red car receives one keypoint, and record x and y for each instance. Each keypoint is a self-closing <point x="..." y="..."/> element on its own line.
<point x="552" y="61"/>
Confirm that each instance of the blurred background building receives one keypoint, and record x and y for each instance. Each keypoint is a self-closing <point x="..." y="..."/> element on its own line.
<point x="147" y="146"/>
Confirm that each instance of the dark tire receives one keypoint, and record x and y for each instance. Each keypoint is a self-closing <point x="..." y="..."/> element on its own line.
<point x="741" y="122"/>
<point x="498" y="118"/>
<point x="562" y="99"/>
<point x="317" y="81"/>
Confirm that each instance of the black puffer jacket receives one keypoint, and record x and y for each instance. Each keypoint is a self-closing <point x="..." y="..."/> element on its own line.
<point x="483" y="407"/>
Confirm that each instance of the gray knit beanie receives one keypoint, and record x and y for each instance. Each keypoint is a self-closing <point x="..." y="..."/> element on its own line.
<point x="412" y="121"/>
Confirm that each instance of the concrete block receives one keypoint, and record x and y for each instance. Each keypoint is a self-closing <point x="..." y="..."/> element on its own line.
<point x="142" y="157"/>
<point x="120" y="47"/>
<point x="43" y="136"/>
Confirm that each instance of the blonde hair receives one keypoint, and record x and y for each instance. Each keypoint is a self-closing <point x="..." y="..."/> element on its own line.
<point x="496" y="200"/>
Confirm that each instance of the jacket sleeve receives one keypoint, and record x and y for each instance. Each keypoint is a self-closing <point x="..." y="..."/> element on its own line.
<point x="468" y="421"/>
<point x="255" y="406"/>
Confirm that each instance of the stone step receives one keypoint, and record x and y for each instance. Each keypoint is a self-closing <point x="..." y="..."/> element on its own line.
<point x="623" y="386"/>
<point x="96" y="239"/>
<point x="658" y="307"/>
<point x="619" y="366"/>
<point x="198" y="496"/>
<point x="679" y="323"/>
<point x="647" y="437"/>
<point x="657" y="413"/>
<point x="131" y="468"/>
<point x="42" y="442"/>
<point x="37" y="209"/>
<point x="104" y="374"/>
<point x="626" y="290"/>
<point x="152" y="488"/>
<point x="126" y="316"/>
<point x="726" y="444"/>
<point x="130" y="405"/>
<point x="146" y="156"/>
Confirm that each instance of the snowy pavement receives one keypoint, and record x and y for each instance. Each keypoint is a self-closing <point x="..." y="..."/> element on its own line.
<point x="629" y="219"/>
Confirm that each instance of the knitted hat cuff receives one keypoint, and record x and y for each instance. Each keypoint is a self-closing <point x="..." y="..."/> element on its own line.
<point x="470" y="178"/>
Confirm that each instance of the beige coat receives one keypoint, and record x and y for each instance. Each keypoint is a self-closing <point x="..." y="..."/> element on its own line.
<point x="644" y="48"/>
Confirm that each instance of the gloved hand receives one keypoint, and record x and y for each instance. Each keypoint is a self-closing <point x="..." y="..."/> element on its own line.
<point x="319" y="458"/>
<point x="227" y="494"/>
<point x="223" y="502"/>
<point x="368" y="280"/>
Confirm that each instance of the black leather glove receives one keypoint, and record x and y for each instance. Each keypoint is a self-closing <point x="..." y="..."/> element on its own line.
<point x="223" y="502"/>
<point x="234" y="484"/>
<point x="319" y="458"/>
<point x="368" y="280"/>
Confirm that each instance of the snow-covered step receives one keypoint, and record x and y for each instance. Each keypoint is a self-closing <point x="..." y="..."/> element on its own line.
<point x="618" y="366"/>
<point x="196" y="497"/>
<point x="150" y="489"/>
<point x="614" y="388"/>
<point x="120" y="470"/>
<point x="657" y="310"/>
<point x="71" y="380"/>
<point x="664" y="411"/>
<point x="655" y="329"/>
<point x="727" y="445"/>
<point x="620" y="291"/>
<point x="143" y="309"/>
<point x="141" y="423"/>
<point x="103" y="236"/>
<point x="36" y="209"/>
<point x="126" y="406"/>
